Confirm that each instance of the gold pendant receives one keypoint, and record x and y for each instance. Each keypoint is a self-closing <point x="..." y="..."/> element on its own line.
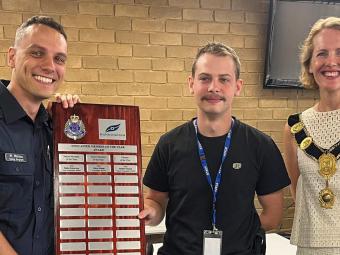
<point x="326" y="198"/>
<point x="306" y="143"/>
<point x="327" y="165"/>
<point x="297" y="127"/>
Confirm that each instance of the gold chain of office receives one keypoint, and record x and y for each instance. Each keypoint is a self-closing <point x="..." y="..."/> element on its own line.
<point x="325" y="158"/>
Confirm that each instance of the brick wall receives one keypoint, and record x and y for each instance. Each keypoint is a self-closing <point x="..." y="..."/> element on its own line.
<point x="139" y="52"/>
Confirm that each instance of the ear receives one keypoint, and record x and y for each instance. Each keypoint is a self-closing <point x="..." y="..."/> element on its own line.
<point x="239" y="85"/>
<point x="11" y="57"/>
<point x="191" y="84"/>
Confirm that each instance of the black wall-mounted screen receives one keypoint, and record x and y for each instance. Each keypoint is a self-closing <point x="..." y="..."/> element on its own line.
<point x="289" y="24"/>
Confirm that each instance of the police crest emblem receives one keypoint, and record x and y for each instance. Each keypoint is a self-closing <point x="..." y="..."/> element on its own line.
<point x="74" y="128"/>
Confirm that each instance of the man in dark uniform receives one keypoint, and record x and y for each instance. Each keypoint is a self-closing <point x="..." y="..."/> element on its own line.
<point x="37" y="60"/>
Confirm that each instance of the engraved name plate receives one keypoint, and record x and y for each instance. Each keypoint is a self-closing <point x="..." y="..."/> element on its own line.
<point x="127" y="223"/>
<point x="126" y="179"/>
<point x="125" y="159"/>
<point x="74" y="223"/>
<point x="72" y="200"/>
<point x="127" y="211"/>
<point x="71" y="189"/>
<point x="128" y="253"/>
<point x="100" y="223"/>
<point x="99" y="178"/>
<point x="71" y="158"/>
<point x="99" y="200"/>
<point x="125" y="169"/>
<point x="97" y="158"/>
<point x="98" y="168"/>
<point x="128" y="233"/>
<point x="72" y="234"/>
<point x="102" y="254"/>
<point x="71" y="168"/>
<point x="100" y="234"/>
<point x="126" y="189"/>
<point x="128" y="245"/>
<point x="99" y="211"/>
<point x="127" y="200"/>
<point x="100" y="245"/>
<point x="72" y="212"/>
<point x="74" y="246"/>
<point x="67" y="147"/>
<point x="71" y="178"/>
<point x="101" y="189"/>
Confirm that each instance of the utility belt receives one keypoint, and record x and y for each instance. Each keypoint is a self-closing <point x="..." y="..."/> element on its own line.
<point x="259" y="245"/>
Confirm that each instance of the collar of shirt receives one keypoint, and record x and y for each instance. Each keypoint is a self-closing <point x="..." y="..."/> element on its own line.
<point x="12" y="110"/>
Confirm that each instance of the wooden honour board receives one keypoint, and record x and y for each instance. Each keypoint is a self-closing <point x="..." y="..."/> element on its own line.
<point x="97" y="180"/>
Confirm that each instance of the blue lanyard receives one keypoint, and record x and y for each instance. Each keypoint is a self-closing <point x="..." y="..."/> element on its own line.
<point x="206" y="170"/>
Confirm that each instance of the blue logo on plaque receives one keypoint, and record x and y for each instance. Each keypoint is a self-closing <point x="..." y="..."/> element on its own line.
<point x="112" y="128"/>
<point x="74" y="128"/>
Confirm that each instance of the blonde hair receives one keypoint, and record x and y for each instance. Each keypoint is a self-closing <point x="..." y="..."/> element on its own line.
<point x="306" y="78"/>
<point x="220" y="50"/>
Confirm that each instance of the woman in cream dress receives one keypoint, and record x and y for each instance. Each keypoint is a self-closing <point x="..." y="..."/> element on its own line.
<point x="312" y="146"/>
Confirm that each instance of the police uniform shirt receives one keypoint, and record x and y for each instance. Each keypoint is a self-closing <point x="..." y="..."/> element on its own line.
<point x="26" y="178"/>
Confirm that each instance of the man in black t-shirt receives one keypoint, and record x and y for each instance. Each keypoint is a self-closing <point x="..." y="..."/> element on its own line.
<point x="204" y="174"/>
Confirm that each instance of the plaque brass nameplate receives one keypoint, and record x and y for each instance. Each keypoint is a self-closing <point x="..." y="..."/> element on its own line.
<point x="127" y="200"/>
<point x="126" y="179"/>
<point x="97" y="158"/>
<point x="123" y="159"/>
<point x="126" y="190"/>
<point x="99" y="200"/>
<point x="71" y="158"/>
<point x="124" y="223"/>
<point x="125" y="169"/>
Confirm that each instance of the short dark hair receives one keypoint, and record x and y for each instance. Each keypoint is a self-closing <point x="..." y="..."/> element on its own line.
<point x="221" y="50"/>
<point x="44" y="20"/>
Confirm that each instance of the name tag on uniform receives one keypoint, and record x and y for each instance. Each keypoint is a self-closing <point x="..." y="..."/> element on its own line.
<point x="14" y="157"/>
<point x="212" y="242"/>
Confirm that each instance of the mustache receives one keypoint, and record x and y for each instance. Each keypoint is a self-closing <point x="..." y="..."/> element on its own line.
<point x="213" y="97"/>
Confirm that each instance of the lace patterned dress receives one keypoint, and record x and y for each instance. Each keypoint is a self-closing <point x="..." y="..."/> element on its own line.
<point x="316" y="230"/>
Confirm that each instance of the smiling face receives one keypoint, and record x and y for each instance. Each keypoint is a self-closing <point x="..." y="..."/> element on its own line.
<point x="38" y="63"/>
<point x="214" y="85"/>
<point x="325" y="62"/>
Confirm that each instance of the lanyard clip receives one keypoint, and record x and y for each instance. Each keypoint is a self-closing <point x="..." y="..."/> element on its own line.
<point x="214" y="228"/>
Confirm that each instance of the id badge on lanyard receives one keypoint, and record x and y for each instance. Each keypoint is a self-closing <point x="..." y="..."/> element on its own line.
<point x="212" y="242"/>
<point x="212" y="239"/>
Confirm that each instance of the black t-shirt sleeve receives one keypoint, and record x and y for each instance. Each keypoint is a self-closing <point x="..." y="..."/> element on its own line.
<point x="273" y="173"/>
<point x="156" y="172"/>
